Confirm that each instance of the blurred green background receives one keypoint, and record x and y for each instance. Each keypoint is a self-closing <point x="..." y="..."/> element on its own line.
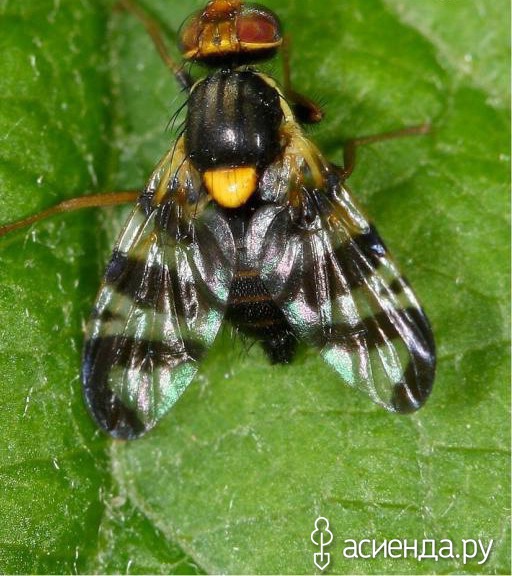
<point x="234" y="478"/>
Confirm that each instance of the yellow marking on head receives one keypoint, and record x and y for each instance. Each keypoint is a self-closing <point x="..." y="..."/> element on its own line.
<point x="228" y="28"/>
<point x="231" y="187"/>
<point x="226" y="47"/>
<point x="217" y="38"/>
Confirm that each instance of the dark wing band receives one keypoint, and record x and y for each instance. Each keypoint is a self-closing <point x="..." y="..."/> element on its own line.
<point x="157" y="312"/>
<point x="331" y="275"/>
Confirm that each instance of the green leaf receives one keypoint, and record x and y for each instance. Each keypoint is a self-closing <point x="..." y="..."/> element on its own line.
<point x="234" y="478"/>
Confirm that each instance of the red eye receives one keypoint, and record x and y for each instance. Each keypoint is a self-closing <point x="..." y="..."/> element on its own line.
<point x="230" y="30"/>
<point x="256" y="26"/>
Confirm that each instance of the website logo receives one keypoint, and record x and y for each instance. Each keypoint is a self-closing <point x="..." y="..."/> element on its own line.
<point x="322" y="537"/>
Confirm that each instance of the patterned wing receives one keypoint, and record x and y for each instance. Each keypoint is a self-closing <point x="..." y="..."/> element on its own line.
<point x="328" y="270"/>
<point x="160" y="305"/>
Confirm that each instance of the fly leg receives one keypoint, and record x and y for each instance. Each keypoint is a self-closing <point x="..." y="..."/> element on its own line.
<point x="155" y="33"/>
<point x="90" y="201"/>
<point x="113" y="198"/>
<point x="350" y="146"/>
<point x="309" y="112"/>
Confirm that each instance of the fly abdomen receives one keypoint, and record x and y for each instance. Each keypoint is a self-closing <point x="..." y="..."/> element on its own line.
<point x="251" y="309"/>
<point x="233" y="120"/>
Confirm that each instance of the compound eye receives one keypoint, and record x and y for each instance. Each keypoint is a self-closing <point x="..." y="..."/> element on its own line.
<point x="229" y="29"/>
<point x="258" y="27"/>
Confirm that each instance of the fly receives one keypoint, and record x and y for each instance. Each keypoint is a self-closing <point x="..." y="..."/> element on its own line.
<point x="245" y="221"/>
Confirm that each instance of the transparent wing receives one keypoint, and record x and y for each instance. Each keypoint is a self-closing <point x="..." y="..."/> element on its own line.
<point x="328" y="270"/>
<point x="159" y="308"/>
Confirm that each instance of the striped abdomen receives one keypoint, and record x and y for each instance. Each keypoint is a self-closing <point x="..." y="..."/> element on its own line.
<point x="251" y="309"/>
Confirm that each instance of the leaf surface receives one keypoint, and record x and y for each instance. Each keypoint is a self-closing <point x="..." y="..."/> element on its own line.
<point x="234" y="478"/>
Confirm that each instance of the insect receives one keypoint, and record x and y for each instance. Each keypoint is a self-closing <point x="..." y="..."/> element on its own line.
<point x="245" y="221"/>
